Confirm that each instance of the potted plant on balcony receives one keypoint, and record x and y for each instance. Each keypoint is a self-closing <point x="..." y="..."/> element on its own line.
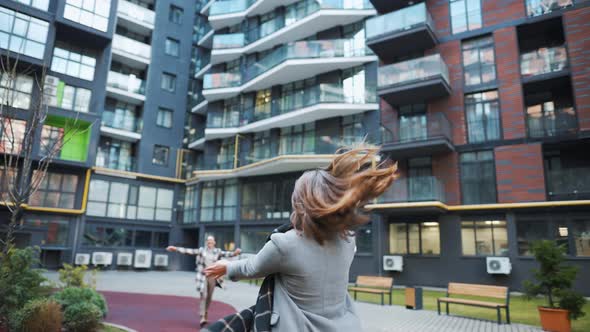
<point x="554" y="281"/>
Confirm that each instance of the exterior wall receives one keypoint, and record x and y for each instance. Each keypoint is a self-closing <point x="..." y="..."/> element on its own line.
<point x="499" y="11"/>
<point x="446" y="168"/>
<point x="519" y="173"/>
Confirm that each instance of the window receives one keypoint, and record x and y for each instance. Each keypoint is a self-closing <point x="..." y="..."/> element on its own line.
<point x="161" y="239"/>
<point x="414" y="238"/>
<point x="172" y="47"/>
<point x="66" y="96"/>
<point x="155" y="204"/>
<point x="12" y="134"/>
<point x="529" y="231"/>
<point x="16" y="91"/>
<point x="298" y="139"/>
<point x="168" y="82"/>
<point x="224" y="237"/>
<point x="353" y="131"/>
<point x="164" y="118"/>
<point x="260" y="147"/>
<point x="73" y="62"/>
<point x="175" y="14"/>
<point x="91" y="13"/>
<point x="56" y="190"/>
<point x="143" y="239"/>
<point x="262" y="104"/>
<point x="465" y="15"/>
<point x="6" y="181"/>
<point x="353" y="87"/>
<point x="484" y="238"/>
<point x="115" y="154"/>
<point x="191" y="205"/>
<point x="478" y="61"/>
<point x="478" y="180"/>
<point x="56" y="230"/>
<point x="364" y="239"/>
<point x="270" y="200"/>
<point x="225" y="157"/>
<point x="39" y="4"/>
<point x="100" y="236"/>
<point x="160" y="155"/>
<point x="253" y="239"/>
<point x="22" y="34"/>
<point x="298" y="94"/>
<point x="581" y="235"/>
<point x="483" y="116"/>
<point x="52" y="139"/>
<point x="219" y="200"/>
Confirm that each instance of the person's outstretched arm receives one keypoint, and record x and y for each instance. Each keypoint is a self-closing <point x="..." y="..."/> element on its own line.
<point x="266" y="262"/>
<point x="231" y="253"/>
<point x="186" y="251"/>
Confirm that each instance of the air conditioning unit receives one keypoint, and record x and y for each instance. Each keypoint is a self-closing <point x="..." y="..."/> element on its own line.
<point x="393" y="263"/>
<point x="143" y="259"/>
<point x="82" y="259"/>
<point x="51" y="80"/>
<point x="102" y="258"/>
<point x="125" y="259"/>
<point x="498" y="265"/>
<point x="161" y="260"/>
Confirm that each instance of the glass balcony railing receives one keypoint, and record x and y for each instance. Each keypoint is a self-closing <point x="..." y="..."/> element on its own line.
<point x="541" y="7"/>
<point x="398" y="21"/>
<point x="132" y="47"/>
<point x="302" y="10"/>
<point x="418" y="128"/>
<point x="569" y="182"/>
<point x="543" y="60"/>
<point x="129" y="83"/>
<point x="230" y="40"/>
<point x="295" y="50"/>
<point x="414" y="189"/>
<point x="412" y="71"/>
<point x="106" y="160"/>
<point x="123" y="122"/>
<point x="559" y="122"/>
<point x="229" y="7"/>
<point x="228" y="119"/>
<point x="136" y="12"/>
<point x="195" y="134"/>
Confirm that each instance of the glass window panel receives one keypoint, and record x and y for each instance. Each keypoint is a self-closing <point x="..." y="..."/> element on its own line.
<point x="430" y="238"/>
<point x="413" y="239"/>
<point x="468" y="238"/>
<point x="484" y="240"/>
<point x="529" y="231"/>
<point x="252" y="240"/>
<point x="145" y="213"/>
<point x="147" y="196"/>
<point x="143" y="239"/>
<point x="364" y="239"/>
<point x="398" y="243"/>
<point x="96" y="209"/>
<point x="581" y="236"/>
<point x="165" y="198"/>
<point x="119" y="192"/>
<point x="99" y="190"/>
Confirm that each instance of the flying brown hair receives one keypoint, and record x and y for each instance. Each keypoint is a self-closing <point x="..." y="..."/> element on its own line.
<point x="327" y="202"/>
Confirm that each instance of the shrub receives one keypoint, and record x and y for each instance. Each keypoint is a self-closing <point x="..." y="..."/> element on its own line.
<point x="82" y="317"/>
<point x="19" y="281"/>
<point x="74" y="295"/>
<point x="42" y="315"/>
<point x="72" y="276"/>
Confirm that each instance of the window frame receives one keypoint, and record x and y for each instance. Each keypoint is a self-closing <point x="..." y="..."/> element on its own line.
<point x="175" y="14"/>
<point x="487" y="120"/>
<point x="493" y="180"/>
<point x="169" y="78"/>
<point x="491" y="43"/>
<point x="467" y="29"/>
<point x="473" y="227"/>
<point x="170" y="112"/>
<point x="175" y="44"/>
<point x="155" y="161"/>
<point x="420" y="241"/>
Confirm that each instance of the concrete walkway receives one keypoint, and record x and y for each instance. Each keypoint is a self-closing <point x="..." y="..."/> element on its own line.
<point x="375" y="318"/>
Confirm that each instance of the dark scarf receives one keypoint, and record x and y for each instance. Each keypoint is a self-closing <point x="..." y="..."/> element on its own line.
<point x="257" y="317"/>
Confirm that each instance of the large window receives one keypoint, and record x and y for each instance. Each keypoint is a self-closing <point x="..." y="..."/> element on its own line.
<point x="353" y="131"/>
<point x="125" y="201"/>
<point x="22" y="34"/>
<point x="529" y="231"/>
<point x="260" y="147"/>
<point x="465" y="15"/>
<point x="484" y="238"/>
<point x="119" y="237"/>
<point x="16" y="91"/>
<point x="270" y="200"/>
<point x="478" y="178"/>
<point x="219" y="201"/>
<point x="12" y="133"/>
<point x="56" y="190"/>
<point x="253" y="239"/>
<point x="298" y="139"/>
<point x="73" y="62"/>
<point x="164" y="117"/>
<point x="581" y="235"/>
<point x="172" y="47"/>
<point x="91" y="13"/>
<point x="483" y="116"/>
<point x="39" y="4"/>
<point x="66" y="96"/>
<point x="175" y="14"/>
<point x="191" y="205"/>
<point x="56" y="229"/>
<point x="414" y="238"/>
<point x="478" y="61"/>
<point x="168" y="82"/>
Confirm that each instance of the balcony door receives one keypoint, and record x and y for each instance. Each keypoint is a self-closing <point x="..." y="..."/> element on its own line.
<point x="413" y="123"/>
<point x="420" y="185"/>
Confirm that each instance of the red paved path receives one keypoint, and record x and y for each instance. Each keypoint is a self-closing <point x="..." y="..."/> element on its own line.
<point x="159" y="313"/>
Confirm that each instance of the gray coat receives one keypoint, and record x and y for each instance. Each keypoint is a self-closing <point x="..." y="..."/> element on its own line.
<point x="311" y="285"/>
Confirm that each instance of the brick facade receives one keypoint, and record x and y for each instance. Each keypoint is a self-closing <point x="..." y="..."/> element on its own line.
<point x="510" y="91"/>
<point x="499" y="11"/>
<point x="446" y="169"/>
<point x="439" y="10"/>
<point x="519" y="173"/>
<point x="577" y="30"/>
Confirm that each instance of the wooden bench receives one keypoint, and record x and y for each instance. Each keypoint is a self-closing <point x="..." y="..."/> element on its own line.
<point x="497" y="292"/>
<point x="373" y="285"/>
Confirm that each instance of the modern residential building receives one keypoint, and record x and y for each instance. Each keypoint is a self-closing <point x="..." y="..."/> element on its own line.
<point x="202" y="117"/>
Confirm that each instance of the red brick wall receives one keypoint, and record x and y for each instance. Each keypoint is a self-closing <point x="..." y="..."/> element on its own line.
<point x="389" y="119"/>
<point x="519" y="173"/>
<point x="498" y="11"/>
<point x="446" y="169"/>
<point x="452" y="106"/>
<point x="577" y="30"/>
<point x="439" y="10"/>
<point x="507" y="67"/>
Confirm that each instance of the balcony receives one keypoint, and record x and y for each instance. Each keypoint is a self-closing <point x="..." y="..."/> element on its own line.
<point x="568" y="184"/>
<point x="412" y="195"/>
<point x="131" y="52"/>
<point x="125" y="128"/>
<point x="103" y="159"/>
<point x="196" y="138"/>
<point x="547" y="123"/>
<point x="227" y="13"/>
<point x="542" y="63"/>
<point x="386" y="6"/>
<point x="291" y="62"/>
<point x="405" y="31"/>
<point x="322" y="101"/>
<point x="311" y="18"/>
<point x="536" y="7"/>
<point x="418" y="80"/>
<point x="419" y="135"/>
<point x="136" y="17"/>
<point x="127" y="88"/>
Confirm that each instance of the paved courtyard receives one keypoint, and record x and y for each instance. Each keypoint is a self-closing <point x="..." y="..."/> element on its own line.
<point x="240" y="295"/>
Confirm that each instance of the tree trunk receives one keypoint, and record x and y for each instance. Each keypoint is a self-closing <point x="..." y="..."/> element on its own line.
<point x="15" y="216"/>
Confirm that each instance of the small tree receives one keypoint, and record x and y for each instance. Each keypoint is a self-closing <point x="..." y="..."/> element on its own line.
<point x="554" y="279"/>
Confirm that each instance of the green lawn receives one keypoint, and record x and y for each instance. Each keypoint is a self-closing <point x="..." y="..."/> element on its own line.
<point x="107" y="328"/>
<point x="521" y="311"/>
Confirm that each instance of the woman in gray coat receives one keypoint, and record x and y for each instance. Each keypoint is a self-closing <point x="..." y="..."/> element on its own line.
<point x="311" y="262"/>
